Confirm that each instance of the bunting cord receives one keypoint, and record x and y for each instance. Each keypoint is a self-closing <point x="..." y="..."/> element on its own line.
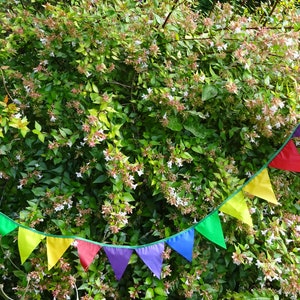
<point x="172" y="236"/>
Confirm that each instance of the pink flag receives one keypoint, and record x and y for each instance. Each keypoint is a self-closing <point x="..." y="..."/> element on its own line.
<point x="288" y="158"/>
<point x="86" y="252"/>
<point x="152" y="257"/>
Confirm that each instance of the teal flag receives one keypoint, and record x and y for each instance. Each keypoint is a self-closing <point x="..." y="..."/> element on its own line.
<point x="211" y="228"/>
<point x="6" y="224"/>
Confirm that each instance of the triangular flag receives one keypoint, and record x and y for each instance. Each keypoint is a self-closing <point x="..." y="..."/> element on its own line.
<point x="237" y="207"/>
<point x="28" y="240"/>
<point x="118" y="258"/>
<point x="260" y="186"/>
<point x="6" y="225"/>
<point x="86" y="252"/>
<point x="297" y="132"/>
<point x="152" y="257"/>
<point x="56" y="247"/>
<point x="183" y="243"/>
<point x="287" y="159"/>
<point x="211" y="228"/>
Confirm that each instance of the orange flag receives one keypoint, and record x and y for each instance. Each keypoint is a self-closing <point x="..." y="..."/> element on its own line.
<point x="28" y="240"/>
<point x="261" y="187"/>
<point x="237" y="207"/>
<point x="56" y="247"/>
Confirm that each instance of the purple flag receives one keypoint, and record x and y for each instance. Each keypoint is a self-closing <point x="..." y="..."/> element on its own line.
<point x="152" y="257"/>
<point x="297" y="132"/>
<point x="118" y="258"/>
<point x="183" y="243"/>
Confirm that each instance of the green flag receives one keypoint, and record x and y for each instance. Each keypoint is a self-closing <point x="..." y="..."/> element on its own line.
<point x="211" y="228"/>
<point x="6" y="224"/>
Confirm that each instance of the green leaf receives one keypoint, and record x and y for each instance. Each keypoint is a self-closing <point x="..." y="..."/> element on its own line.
<point x="149" y="293"/>
<point x="128" y="197"/>
<point x="38" y="191"/>
<point x="37" y="126"/>
<point x="209" y="92"/>
<point x="100" y="179"/>
<point x="174" y="123"/>
<point x="160" y="291"/>
<point x="194" y="127"/>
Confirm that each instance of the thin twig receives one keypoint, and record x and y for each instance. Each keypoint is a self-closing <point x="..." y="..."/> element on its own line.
<point x="5" y="87"/>
<point x="271" y="12"/>
<point x="170" y="13"/>
<point x="3" y="294"/>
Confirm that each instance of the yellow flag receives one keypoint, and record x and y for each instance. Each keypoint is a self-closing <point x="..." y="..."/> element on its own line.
<point x="28" y="240"/>
<point x="56" y="247"/>
<point x="260" y="186"/>
<point x="237" y="207"/>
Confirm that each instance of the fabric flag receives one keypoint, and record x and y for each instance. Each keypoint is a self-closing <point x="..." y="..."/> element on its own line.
<point x="260" y="186"/>
<point x="56" y="247"/>
<point x="28" y="240"/>
<point x="297" y="132"/>
<point x="211" y="228"/>
<point x="6" y="225"/>
<point x="237" y="207"/>
<point x="183" y="243"/>
<point x="287" y="159"/>
<point x="152" y="257"/>
<point x="86" y="252"/>
<point x="118" y="258"/>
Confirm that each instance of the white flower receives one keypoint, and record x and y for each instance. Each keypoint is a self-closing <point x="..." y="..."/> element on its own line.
<point x="78" y="175"/>
<point x="140" y="172"/>
<point x="52" y="119"/>
<point x="59" y="207"/>
<point x="258" y="263"/>
<point x="43" y="41"/>
<point x="27" y="88"/>
<point x="179" y="162"/>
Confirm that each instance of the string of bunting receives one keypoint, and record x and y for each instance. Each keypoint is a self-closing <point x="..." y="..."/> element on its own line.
<point x="259" y="185"/>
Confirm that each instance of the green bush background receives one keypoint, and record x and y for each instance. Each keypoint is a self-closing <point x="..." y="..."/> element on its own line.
<point x="126" y="121"/>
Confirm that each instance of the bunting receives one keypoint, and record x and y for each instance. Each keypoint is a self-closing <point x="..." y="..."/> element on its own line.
<point x="296" y="132"/>
<point x="56" y="247"/>
<point x="152" y="257"/>
<point x="237" y="208"/>
<point x="28" y="240"/>
<point x="287" y="159"/>
<point x="259" y="185"/>
<point x="6" y="225"/>
<point x="86" y="252"/>
<point x="118" y="258"/>
<point x="183" y="243"/>
<point x="211" y="228"/>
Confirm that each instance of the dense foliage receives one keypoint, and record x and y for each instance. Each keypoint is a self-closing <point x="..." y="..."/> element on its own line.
<point x="126" y="121"/>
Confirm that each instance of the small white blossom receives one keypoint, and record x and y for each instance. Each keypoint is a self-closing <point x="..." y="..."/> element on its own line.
<point x="52" y="119"/>
<point x="140" y="172"/>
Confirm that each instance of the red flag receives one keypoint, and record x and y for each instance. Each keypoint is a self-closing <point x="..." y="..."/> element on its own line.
<point x="287" y="159"/>
<point x="86" y="252"/>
